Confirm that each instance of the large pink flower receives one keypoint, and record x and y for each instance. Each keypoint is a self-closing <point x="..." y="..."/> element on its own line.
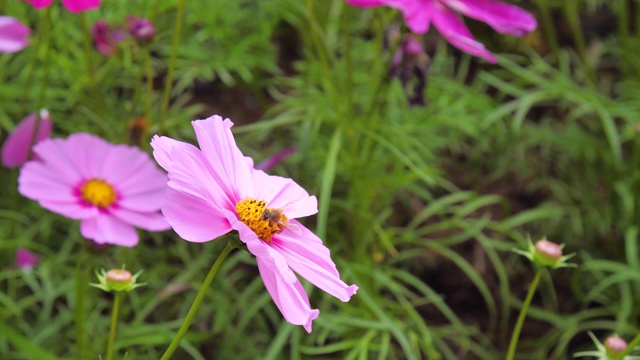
<point x="15" y="149"/>
<point x="74" y="6"/>
<point x="110" y="188"/>
<point x="419" y="14"/>
<point x="215" y="189"/>
<point x="14" y="35"/>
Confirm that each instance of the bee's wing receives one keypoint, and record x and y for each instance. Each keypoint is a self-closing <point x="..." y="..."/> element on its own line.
<point x="294" y="228"/>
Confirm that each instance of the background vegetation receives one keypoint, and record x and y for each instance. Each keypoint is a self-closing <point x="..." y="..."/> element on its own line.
<point x="420" y="205"/>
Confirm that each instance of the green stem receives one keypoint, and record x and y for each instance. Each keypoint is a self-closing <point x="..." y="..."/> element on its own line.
<point x="549" y="27"/>
<point x="196" y="303"/>
<point x="81" y="287"/>
<point x="172" y="64"/>
<point x="523" y="313"/>
<point x="632" y="345"/>
<point x="114" y="324"/>
<point x="91" y="68"/>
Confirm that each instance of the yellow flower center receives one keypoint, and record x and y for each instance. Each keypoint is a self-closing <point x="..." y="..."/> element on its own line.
<point x="252" y="213"/>
<point x="98" y="192"/>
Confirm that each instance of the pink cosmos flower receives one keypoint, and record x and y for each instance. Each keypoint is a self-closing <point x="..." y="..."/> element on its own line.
<point x="110" y="188"/>
<point x="419" y="14"/>
<point x="15" y="149"/>
<point x="74" y="6"/>
<point x="25" y="259"/>
<point x="14" y="35"/>
<point x="141" y="29"/>
<point x="106" y="38"/>
<point x="215" y="189"/>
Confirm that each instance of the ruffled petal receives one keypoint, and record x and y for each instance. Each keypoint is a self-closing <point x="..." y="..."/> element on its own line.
<point x="220" y="149"/>
<point x="290" y="297"/>
<point x="308" y="257"/>
<point x="457" y="34"/>
<point x="193" y="218"/>
<point x="75" y="6"/>
<point x="107" y="229"/>
<point x="14" y="35"/>
<point x="283" y="193"/>
<point x="15" y="149"/>
<point x="163" y="147"/>
<point x="503" y="18"/>
<point x="152" y="221"/>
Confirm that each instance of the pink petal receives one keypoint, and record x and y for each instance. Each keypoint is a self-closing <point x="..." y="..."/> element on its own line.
<point x="39" y="182"/>
<point x="457" y="34"/>
<point x="15" y="149"/>
<point x="219" y="148"/>
<point x="76" y="6"/>
<point x="504" y="18"/>
<point x="87" y="153"/>
<point x="107" y="229"/>
<point x="39" y="4"/>
<point x="14" y="35"/>
<point x="284" y="193"/>
<point x="274" y="160"/>
<point x="416" y="14"/>
<point x="193" y="218"/>
<point x="144" y="202"/>
<point x="290" y="298"/>
<point x="152" y="221"/>
<point x="308" y="257"/>
<point x="25" y="259"/>
<point x="163" y="147"/>
<point x="70" y="210"/>
<point x="131" y="170"/>
<point x="54" y="154"/>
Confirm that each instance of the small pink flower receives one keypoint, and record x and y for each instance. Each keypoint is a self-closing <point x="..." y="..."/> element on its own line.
<point x="106" y="38"/>
<point x="74" y="6"/>
<point x="15" y="149"/>
<point x="25" y="259"/>
<point x="141" y="29"/>
<point x="274" y="160"/>
<point x="215" y="189"/>
<point x="419" y="14"/>
<point x="14" y="35"/>
<point x="110" y="188"/>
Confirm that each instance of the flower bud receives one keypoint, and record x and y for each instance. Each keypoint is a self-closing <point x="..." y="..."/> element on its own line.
<point x="142" y="30"/>
<point x="546" y="253"/>
<point x="615" y="345"/>
<point x="25" y="259"/>
<point x="16" y="149"/>
<point x="117" y="280"/>
<point x="106" y="38"/>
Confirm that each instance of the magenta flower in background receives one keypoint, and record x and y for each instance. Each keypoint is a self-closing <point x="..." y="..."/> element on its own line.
<point x="142" y="30"/>
<point x="419" y="14"/>
<point x="74" y="6"/>
<point x="14" y="35"/>
<point x="274" y="160"/>
<point x="15" y="149"/>
<point x="25" y="259"/>
<point x="110" y="188"/>
<point x="106" y="38"/>
<point x="215" y="189"/>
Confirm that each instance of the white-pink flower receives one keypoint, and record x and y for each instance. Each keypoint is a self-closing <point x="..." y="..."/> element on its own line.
<point x="110" y="188"/>
<point x="215" y="189"/>
<point x="419" y="14"/>
<point x="14" y="35"/>
<point x="15" y="150"/>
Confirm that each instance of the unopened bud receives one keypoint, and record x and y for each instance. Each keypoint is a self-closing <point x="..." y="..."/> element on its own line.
<point x="615" y="345"/>
<point x="548" y="250"/>
<point x="546" y="253"/>
<point x="117" y="280"/>
<point x="141" y="29"/>
<point x="118" y="276"/>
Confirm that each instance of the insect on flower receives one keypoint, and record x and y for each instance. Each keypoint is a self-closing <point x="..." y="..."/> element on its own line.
<point x="276" y="217"/>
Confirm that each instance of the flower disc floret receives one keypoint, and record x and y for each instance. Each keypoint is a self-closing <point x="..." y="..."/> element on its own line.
<point x="98" y="192"/>
<point x="250" y="211"/>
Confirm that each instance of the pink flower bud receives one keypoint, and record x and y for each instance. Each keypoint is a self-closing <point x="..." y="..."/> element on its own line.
<point x="615" y="345"/>
<point x="25" y="259"/>
<point x="15" y="150"/>
<point x="141" y="29"/>
<point x="119" y="277"/>
<point x="14" y="35"/>
<point x="548" y="250"/>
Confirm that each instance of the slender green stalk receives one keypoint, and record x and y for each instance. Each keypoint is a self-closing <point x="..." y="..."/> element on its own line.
<point x="548" y="26"/>
<point x="172" y="65"/>
<point x="44" y="26"/>
<point x="91" y="67"/>
<point x="632" y="345"/>
<point x="114" y="323"/>
<point x="196" y="302"/>
<point x="523" y="313"/>
<point x="322" y="54"/>
<point x="81" y="283"/>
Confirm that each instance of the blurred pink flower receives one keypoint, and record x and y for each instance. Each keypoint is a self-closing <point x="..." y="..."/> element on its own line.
<point x="106" y="38"/>
<point x="141" y="29"/>
<point x="215" y="189"/>
<point x="25" y="259"/>
<point x="74" y="6"/>
<point x="14" y="35"/>
<point x="15" y="149"/>
<point x="110" y="188"/>
<point x="274" y="160"/>
<point x="419" y="14"/>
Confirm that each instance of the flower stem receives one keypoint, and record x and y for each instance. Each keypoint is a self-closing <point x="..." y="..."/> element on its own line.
<point x="80" y="302"/>
<point x="114" y="324"/>
<point x="632" y="345"/>
<point x="196" y="303"/>
<point x="172" y="64"/>
<point x="523" y="313"/>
